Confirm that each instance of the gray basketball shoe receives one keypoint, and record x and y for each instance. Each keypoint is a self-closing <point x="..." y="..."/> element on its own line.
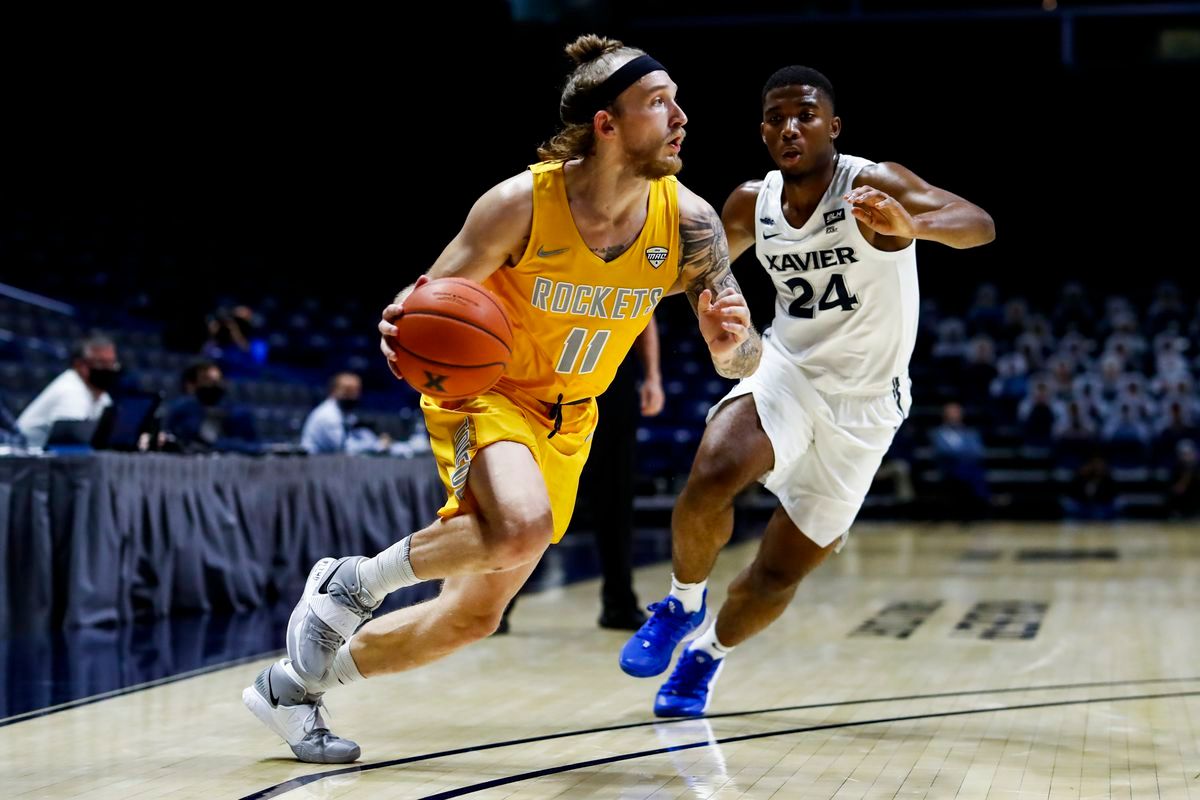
<point x="333" y="606"/>
<point x="286" y="707"/>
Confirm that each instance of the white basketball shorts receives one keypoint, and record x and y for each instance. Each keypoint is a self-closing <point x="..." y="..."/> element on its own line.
<point x="827" y="447"/>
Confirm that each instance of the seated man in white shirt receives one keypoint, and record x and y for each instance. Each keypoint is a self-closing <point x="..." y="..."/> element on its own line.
<point x="79" y="393"/>
<point x="332" y="426"/>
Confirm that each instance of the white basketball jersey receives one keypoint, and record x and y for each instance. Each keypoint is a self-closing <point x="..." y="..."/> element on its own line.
<point x="845" y="313"/>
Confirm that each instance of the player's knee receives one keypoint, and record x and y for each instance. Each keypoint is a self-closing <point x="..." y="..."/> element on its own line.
<point x="770" y="580"/>
<point x="471" y="626"/>
<point x="520" y="537"/>
<point x="716" y="477"/>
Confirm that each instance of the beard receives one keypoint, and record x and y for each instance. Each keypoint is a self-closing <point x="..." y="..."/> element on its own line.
<point x="650" y="163"/>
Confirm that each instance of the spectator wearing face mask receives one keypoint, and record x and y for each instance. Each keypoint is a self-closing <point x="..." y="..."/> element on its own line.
<point x="333" y="427"/>
<point x="203" y="421"/>
<point x="81" y="392"/>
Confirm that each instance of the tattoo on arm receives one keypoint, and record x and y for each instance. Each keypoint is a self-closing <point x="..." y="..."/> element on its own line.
<point x="705" y="258"/>
<point x="704" y="264"/>
<point x="743" y="361"/>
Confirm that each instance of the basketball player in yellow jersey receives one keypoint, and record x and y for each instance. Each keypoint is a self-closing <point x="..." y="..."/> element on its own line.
<point x="579" y="249"/>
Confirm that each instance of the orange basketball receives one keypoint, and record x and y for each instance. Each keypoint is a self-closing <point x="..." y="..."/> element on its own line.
<point x="453" y="340"/>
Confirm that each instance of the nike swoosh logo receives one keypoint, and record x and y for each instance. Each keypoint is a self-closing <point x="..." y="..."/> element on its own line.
<point x="324" y="587"/>
<point x="770" y="235"/>
<point x="544" y="253"/>
<point x="271" y="691"/>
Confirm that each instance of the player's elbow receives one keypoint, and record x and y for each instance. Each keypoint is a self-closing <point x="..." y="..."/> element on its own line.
<point x="982" y="232"/>
<point x="987" y="227"/>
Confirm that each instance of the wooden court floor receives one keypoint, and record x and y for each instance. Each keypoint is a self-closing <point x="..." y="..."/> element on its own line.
<point x="925" y="661"/>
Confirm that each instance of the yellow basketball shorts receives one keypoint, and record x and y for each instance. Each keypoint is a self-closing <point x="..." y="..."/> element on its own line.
<point x="459" y="430"/>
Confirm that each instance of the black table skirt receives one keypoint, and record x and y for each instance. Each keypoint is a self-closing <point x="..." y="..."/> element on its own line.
<point x="103" y="538"/>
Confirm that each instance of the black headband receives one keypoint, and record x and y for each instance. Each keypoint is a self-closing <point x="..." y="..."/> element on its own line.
<point x="585" y="104"/>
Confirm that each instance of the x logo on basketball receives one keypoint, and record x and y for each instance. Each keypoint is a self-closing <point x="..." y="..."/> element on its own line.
<point x="434" y="382"/>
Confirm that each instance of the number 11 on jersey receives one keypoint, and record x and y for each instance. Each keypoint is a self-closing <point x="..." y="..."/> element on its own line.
<point x="572" y="346"/>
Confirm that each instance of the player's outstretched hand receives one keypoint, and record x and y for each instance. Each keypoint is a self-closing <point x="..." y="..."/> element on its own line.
<point x="880" y="212"/>
<point x="724" y="322"/>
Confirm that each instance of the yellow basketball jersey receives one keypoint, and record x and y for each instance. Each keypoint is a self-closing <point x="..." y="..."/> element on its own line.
<point x="574" y="315"/>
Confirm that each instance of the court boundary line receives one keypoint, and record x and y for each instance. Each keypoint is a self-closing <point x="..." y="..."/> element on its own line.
<point x="139" y="687"/>
<point x="304" y="780"/>
<point x="479" y="787"/>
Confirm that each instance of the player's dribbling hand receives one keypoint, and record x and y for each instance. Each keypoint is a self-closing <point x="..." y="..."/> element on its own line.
<point x="724" y="322"/>
<point x="880" y="212"/>
<point x="387" y="327"/>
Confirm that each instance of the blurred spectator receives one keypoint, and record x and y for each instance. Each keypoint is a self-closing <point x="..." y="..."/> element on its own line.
<point x="1181" y="391"/>
<point x="1126" y="340"/>
<point x="1074" y="435"/>
<point x="1133" y="392"/>
<point x="951" y="345"/>
<point x="79" y="392"/>
<point x="1062" y="378"/>
<point x="1170" y="363"/>
<point x="1037" y="414"/>
<point x="1040" y="330"/>
<point x="985" y="317"/>
<point x="959" y="450"/>
<point x="1112" y="371"/>
<point x="333" y="427"/>
<point x="1115" y="306"/>
<point x="203" y="421"/>
<point x="1073" y="312"/>
<point x="1126" y="436"/>
<point x="927" y="325"/>
<point x="1011" y="383"/>
<point x="227" y="330"/>
<point x="1178" y="425"/>
<point x="233" y="338"/>
<point x="1016" y="317"/>
<point x="1093" y="492"/>
<point x="1166" y="309"/>
<point x="896" y="467"/>
<point x="1090" y="396"/>
<point x="1183" y="486"/>
<point x="1030" y="346"/>
<point x="979" y="371"/>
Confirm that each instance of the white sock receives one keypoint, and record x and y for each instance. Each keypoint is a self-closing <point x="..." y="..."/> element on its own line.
<point x="707" y="642"/>
<point x="689" y="595"/>
<point x="388" y="571"/>
<point x="342" y="671"/>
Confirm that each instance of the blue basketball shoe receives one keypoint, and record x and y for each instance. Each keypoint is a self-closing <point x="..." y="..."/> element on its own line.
<point x="650" y="650"/>
<point x="688" y="691"/>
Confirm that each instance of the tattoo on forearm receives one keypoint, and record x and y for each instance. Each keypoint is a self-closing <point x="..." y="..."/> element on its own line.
<point x="704" y="264"/>
<point x="743" y="361"/>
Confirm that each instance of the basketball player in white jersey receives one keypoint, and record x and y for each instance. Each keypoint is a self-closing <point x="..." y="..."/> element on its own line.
<point x="837" y="234"/>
